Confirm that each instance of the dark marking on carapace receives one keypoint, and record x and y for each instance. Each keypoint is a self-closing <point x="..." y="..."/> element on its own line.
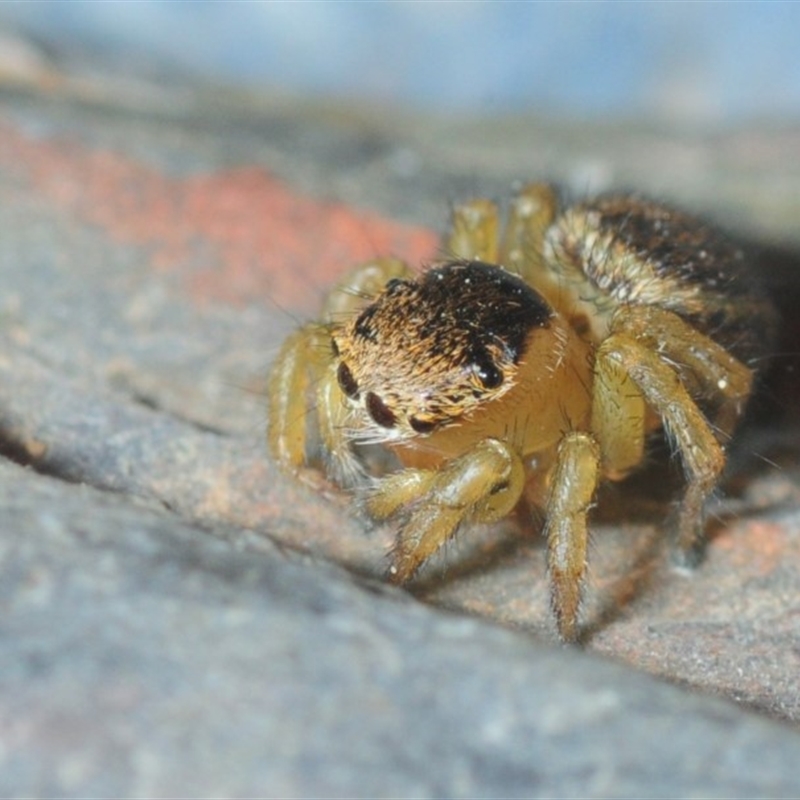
<point x="459" y="308"/>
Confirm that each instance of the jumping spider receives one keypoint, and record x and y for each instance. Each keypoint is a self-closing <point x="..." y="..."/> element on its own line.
<point x="528" y="366"/>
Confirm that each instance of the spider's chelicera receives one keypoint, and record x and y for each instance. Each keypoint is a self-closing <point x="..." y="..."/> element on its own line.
<point x="531" y="364"/>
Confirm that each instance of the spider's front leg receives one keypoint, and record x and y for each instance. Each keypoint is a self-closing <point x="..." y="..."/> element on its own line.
<point x="300" y="363"/>
<point x="303" y="378"/>
<point x="571" y="491"/>
<point x="482" y="485"/>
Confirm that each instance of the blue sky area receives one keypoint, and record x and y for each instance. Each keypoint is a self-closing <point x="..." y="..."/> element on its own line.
<point x="705" y="61"/>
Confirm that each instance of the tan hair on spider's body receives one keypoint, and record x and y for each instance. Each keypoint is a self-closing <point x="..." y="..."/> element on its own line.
<point x="532" y="365"/>
<point x="625" y="251"/>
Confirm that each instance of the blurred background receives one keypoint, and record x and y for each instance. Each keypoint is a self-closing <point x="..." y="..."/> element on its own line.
<point x="691" y="62"/>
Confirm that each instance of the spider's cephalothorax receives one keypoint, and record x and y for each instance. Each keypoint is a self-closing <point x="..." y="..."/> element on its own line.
<point x="534" y="362"/>
<point x="427" y="352"/>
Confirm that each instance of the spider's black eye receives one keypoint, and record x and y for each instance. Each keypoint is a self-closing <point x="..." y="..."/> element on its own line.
<point x="334" y="348"/>
<point x="488" y="374"/>
<point x="347" y="383"/>
<point x="483" y="367"/>
<point x="379" y="411"/>
<point x="421" y="425"/>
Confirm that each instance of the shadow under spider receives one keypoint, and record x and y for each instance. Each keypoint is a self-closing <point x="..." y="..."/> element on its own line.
<point x="633" y="520"/>
<point x="627" y="510"/>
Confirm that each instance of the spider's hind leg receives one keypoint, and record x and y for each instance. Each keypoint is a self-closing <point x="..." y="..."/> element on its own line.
<point x="653" y="349"/>
<point x="532" y="212"/>
<point x="361" y="285"/>
<point x="475" y="232"/>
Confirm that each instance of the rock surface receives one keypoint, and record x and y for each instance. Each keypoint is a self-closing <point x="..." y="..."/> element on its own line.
<point x="179" y="619"/>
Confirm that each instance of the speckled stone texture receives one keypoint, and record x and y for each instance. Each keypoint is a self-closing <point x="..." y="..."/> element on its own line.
<point x="179" y="619"/>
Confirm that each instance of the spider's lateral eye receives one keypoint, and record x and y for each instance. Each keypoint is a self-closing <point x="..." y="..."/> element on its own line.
<point x="379" y="411"/>
<point x="421" y="425"/>
<point x="334" y="348"/>
<point x="347" y="383"/>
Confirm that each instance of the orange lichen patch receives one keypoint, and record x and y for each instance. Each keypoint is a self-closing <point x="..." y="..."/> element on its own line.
<point x="758" y="548"/>
<point x="234" y="236"/>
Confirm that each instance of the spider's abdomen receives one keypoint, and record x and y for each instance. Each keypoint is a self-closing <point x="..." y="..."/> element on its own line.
<point x="621" y="250"/>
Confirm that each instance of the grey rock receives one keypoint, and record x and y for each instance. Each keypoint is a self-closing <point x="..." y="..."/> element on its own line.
<point x="141" y="656"/>
<point x="178" y="619"/>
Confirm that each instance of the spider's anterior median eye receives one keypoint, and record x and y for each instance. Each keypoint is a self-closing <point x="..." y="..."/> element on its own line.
<point x="379" y="411"/>
<point x="347" y="383"/>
